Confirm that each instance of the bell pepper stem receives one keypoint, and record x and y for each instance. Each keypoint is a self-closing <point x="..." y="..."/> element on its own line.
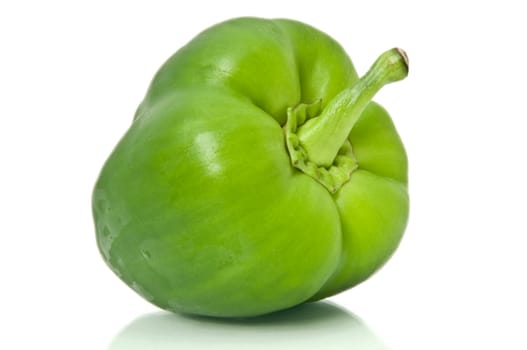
<point x="323" y="136"/>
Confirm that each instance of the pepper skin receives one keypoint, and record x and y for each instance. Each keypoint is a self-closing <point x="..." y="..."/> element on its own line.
<point x="257" y="174"/>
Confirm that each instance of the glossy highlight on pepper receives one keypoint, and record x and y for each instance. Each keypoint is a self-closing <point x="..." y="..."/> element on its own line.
<point x="257" y="174"/>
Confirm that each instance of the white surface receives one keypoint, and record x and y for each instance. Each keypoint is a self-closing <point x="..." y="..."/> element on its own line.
<point x="72" y="74"/>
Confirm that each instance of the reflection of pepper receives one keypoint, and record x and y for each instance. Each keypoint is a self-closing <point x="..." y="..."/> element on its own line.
<point x="256" y="175"/>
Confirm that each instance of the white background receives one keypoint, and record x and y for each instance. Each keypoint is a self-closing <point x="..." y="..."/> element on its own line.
<point x="72" y="74"/>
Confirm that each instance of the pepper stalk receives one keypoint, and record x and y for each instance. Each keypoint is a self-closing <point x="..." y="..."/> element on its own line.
<point x="321" y="137"/>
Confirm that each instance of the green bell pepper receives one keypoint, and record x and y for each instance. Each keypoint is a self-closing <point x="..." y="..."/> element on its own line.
<point x="257" y="174"/>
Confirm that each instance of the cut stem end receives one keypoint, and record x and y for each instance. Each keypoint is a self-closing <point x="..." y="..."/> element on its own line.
<point x="323" y="136"/>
